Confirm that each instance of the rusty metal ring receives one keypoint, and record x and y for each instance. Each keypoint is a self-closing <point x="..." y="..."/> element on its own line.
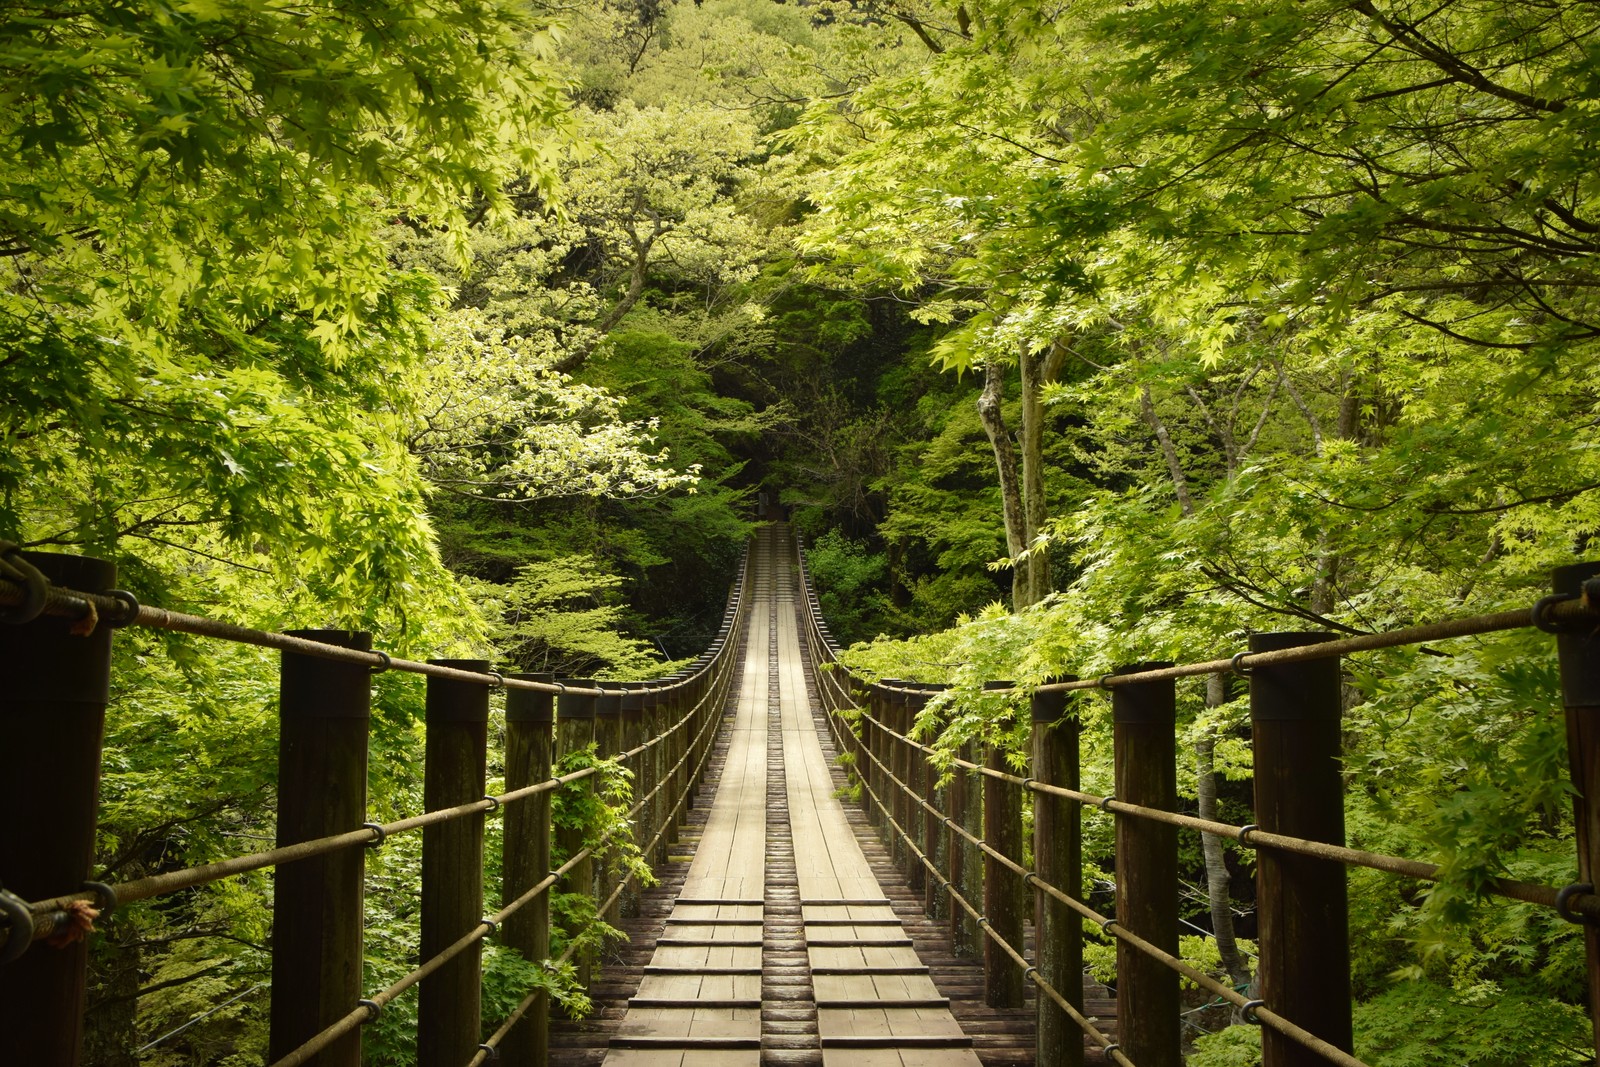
<point x="1238" y="667"/>
<point x="1247" y="1011"/>
<point x="1544" y="604"/>
<point x="384" y="662"/>
<point x="1564" y="902"/>
<point x="36" y="587"/>
<point x="105" y="896"/>
<point x="130" y="606"/>
<point x="16" y="909"/>
<point x="380" y="835"/>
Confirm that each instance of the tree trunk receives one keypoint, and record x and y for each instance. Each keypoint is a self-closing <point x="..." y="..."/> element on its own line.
<point x="1005" y="461"/>
<point x="1211" y="845"/>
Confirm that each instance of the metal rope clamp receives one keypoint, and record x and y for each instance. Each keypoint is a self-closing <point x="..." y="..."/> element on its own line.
<point x="1564" y="903"/>
<point x="15" y="909"/>
<point x="36" y="587"/>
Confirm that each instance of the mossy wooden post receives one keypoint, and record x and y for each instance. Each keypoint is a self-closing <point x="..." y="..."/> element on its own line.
<point x="52" y="721"/>
<point x="1058" y="860"/>
<point x="608" y="741"/>
<point x="1301" y="901"/>
<point x="574" y="733"/>
<point x="872" y="742"/>
<point x="323" y="708"/>
<point x="669" y="710"/>
<point x="934" y="899"/>
<point x="530" y="714"/>
<point x="899" y="762"/>
<point x="456" y="718"/>
<point x="1145" y="747"/>
<point x="633" y="736"/>
<point x="966" y="861"/>
<point x="917" y="778"/>
<point x="1003" y="983"/>
<point x="1578" y="649"/>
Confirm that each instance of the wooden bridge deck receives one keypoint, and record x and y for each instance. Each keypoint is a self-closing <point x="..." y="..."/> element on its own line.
<point x="781" y="940"/>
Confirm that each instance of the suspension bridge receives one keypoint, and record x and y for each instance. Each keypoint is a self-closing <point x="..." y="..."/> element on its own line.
<point x="910" y="924"/>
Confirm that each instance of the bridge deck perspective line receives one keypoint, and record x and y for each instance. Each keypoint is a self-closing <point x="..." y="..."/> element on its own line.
<point x="699" y="1002"/>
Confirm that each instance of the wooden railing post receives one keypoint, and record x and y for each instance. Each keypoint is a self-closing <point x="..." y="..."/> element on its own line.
<point x="1058" y="860"/>
<point x="574" y="732"/>
<point x="934" y="900"/>
<point x="633" y="736"/>
<point x="899" y="762"/>
<point x="323" y="709"/>
<point x="1002" y="892"/>
<point x="966" y="861"/>
<point x="1145" y="756"/>
<point x="608" y="740"/>
<point x="1578" y="650"/>
<point x="670" y="749"/>
<point x="52" y="719"/>
<point x="456" y="717"/>
<point x="529" y="717"/>
<point x="872" y="740"/>
<point x="917" y="778"/>
<point x="1301" y="901"/>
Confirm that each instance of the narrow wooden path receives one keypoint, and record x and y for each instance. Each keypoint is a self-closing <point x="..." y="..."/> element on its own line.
<point x="779" y="944"/>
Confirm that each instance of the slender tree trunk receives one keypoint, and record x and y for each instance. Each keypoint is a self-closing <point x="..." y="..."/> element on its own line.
<point x="1211" y="845"/>
<point x="1005" y="461"/>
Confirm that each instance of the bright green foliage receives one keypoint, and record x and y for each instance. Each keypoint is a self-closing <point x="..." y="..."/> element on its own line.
<point x="561" y="617"/>
<point x="201" y="328"/>
<point x="845" y="572"/>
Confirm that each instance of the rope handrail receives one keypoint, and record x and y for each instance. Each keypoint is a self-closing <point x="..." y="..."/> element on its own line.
<point x="1547" y="612"/>
<point x="204" y="874"/>
<point x="119" y="611"/>
<point x="1548" y="896"/>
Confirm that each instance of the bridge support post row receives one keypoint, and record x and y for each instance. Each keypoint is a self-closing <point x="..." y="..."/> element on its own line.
<point x="1058" y="860"/>
<point x="574" y="731"/>
<point x="1578" y="649"/>
<point x="456" y="718"/>
<point x="52" y="718"/>
<point x="324" y="707"/>
<point x="1145" y="747"/>
<point x="1302" y="903"/>
<point x="529" y="718"/>
<point x="920" y="781"/>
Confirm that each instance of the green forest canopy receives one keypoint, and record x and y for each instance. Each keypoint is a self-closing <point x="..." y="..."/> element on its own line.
<point x="1072" y="335"/>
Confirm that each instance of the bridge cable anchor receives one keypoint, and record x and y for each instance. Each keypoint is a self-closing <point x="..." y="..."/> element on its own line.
<point x="16" y="909"/>
<point x="36" y="587"/>
<point x="1564" y="903"/>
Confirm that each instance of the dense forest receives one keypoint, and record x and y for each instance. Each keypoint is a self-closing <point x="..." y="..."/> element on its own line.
<point x="1070" y="335"/>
